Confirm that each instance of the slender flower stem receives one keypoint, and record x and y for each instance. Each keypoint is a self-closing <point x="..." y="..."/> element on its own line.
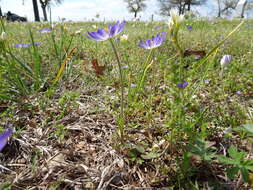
<point x="147" y="65"/>
<point x="175" y="40"/>
<point x="121" y="128"/>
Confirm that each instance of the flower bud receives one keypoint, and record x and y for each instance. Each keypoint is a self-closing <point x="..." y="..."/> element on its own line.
<point x="225" y="60"/>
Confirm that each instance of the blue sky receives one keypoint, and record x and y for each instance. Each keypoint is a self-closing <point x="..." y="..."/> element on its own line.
<point x="80" y="10"/>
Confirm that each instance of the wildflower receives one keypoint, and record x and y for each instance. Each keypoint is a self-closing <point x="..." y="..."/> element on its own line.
<point x="175" y="18"/>
<point x="4" y="137"/>
<point x="37" y="43"/>
<point x="158" y="27"/>
<point x="104" y="34"/>
<point x="45" y="30"/>
<point x="123" y="38"/>
<point x="189" y="28"/>
<point x="124" y="67"/>
<point x="225" y="60"/>
<point x="21" y="45"/>
<point x="238" y="92"/>
<point x="133" y="85"/>
<point x="78" y="31"/>
<point x="154" y="42"/>
<point x="94" y="26"/>
<point x="182" y="84"/>
<point x="206" y="81"/>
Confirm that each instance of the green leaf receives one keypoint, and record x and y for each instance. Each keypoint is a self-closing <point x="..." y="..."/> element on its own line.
<point x="150" y="155"/>
<point x="140" y="149"/>
<point x="232" y="172"/>
<point x="235" y="154"/>
<point x="225" y="160"/>
<point x="5" y="187"/>
<point x="245" y="175"/>
<point x="232" y="151"/>
<point x="248" y="164"/>
<point x="248" y="128"/>
<point x="249" y="167"/>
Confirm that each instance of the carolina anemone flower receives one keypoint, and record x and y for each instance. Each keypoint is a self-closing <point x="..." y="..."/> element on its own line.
<point x="110" y="32"/>
<point x="154" y="42"/>
<point x="37" y="43"/>
<point x="189" y="27"/>
<point x="4" y="137"/>
<point x="21" y="45"/>
<point x="182" y="84"/>
<point x="45" y="30"/>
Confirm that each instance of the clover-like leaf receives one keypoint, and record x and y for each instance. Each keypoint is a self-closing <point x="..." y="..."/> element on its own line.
<point x="232" y="172"/>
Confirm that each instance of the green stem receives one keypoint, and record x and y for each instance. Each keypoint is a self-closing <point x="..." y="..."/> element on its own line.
<point x="121" y="128"/>
<point x="146" y="67"/>
<point x="175" y="40"/>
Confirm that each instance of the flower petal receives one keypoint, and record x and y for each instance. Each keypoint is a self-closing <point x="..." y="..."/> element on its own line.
<point x="4" y="137"/>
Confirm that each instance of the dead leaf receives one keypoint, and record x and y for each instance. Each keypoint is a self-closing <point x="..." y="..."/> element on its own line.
<point x="57" y="160"/>
<point x="99" y="70"/>
<point x="197" y="53"/>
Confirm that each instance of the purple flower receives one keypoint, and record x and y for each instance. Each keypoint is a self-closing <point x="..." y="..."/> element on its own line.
<point x="37" y="43"/>
<point x="104" y="34"/>
<point x="154" y="42"/>
<point x="45" y="30"/>
<point x="22" y="45"/>
<point x="238" y="92"/>
<point x="4" y="137"/>
<point x="207" y="81"/>
<point x="189" y="28"/>
<point x="182" y="84"/>
<point x="225" y="60"/>
<point x="158" y="27"/>
<point x="133" y="85"/>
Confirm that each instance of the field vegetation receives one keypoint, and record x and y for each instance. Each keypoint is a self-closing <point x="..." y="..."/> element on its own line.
<point x="175" y="116"/>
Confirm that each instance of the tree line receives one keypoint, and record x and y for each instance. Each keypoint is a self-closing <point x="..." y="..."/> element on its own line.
<point x="44" y="5"/>
<point x="137" y="6"/>
<point x="224" y="7"/>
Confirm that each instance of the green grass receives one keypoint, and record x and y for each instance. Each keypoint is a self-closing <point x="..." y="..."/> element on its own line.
<point x="172" y="137"/>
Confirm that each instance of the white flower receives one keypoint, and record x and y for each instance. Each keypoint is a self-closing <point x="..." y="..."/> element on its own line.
<point x="123" y="38"/>
<point x="94" y="26"/>
<point x="225" y="60"/>
<point x="170" y="22"/>
<point x="177" y="19"/>
<point x="78" y="31"/>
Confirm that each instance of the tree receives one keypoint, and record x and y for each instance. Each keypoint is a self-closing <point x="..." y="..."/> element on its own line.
<point x="135" y="6"/>
<point x="1" y="14"/>
<point x="219" y="8"/>
<point x="245" y="5"/>
<point x="46" y="3"/>
<point x="181" y="5"/>
<point x="227" y="6"/>
<point x="36" y="10"/>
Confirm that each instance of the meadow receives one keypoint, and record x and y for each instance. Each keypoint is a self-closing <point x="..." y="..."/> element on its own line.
<point x="175" y="116"/>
